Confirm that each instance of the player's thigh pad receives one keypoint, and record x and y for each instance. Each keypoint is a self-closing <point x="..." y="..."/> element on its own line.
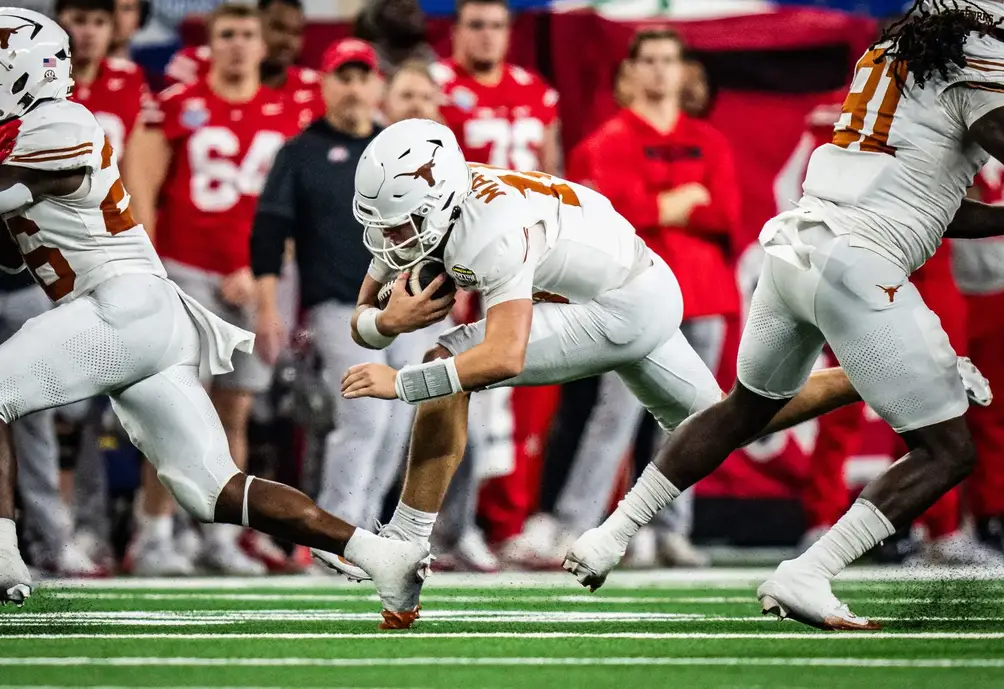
<point x="672" y="382"/>
<point x="779" y="345"/>
<point x="128" y="328"/>
<point x="171" y="419"/>
<point x="572" y="341"/>
<point x="889" y="342"/>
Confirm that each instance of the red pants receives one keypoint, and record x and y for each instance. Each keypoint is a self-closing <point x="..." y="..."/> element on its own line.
<point x="985" y="487"/>
<point x="506" y="502"/>
<point x="825" y="496"/>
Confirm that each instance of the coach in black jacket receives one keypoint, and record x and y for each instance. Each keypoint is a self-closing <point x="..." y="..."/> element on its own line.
<point x="308" y="199"/>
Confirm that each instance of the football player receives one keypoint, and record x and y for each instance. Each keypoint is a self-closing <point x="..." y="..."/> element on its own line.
<point x="120" y="327"/>
<point x="570" y="291"/>
<point x="501" y="114"/>
<point x="282" y="29"/>
<point x="924" y="113"/>
<point x="112" y="88"/>
<point x="198" y="166"/>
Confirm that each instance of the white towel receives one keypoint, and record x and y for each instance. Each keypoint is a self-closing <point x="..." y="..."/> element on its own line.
<point x="780" y="237"/>
<point x="218" y="338"/>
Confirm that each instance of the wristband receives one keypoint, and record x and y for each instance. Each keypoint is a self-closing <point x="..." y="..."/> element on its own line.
<point x="369" y="333"/>
<point x="15" y="197"/>
<point x="421" y="382"/>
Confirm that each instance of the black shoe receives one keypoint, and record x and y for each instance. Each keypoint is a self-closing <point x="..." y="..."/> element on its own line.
<point x="990" y="532"/>
<point x="896" y="549"/>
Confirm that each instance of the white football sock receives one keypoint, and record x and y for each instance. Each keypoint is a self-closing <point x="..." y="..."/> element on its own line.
<point x="857" y="532"/>
<point x="651" y="493"/>
<point x="416" y="525"/>
<point x="8" y="534"/>
<point x="221" y="534"/>
<point x="157" y="528"/>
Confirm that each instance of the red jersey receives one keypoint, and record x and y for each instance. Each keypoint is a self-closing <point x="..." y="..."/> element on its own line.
<point x="501" y="125"/>
<point x="302" y="86"/>
<point x="631" y="163"/>
<point x="115" y="97"/>
<point x="221" y="154"/>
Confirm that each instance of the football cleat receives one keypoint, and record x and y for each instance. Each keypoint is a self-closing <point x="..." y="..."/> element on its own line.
<point x="15" y="579"/>
<point x="593" y="557"/>
<point x="398" y="570"/>
<point x="798" y="593"/>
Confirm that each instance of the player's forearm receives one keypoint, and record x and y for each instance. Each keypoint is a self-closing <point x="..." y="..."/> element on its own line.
<point x="267" y="293"/>
<point x="976" y="220"/>
<point x="487" y="364"/>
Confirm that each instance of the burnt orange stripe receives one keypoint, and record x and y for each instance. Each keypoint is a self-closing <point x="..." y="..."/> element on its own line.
<point x="50" y="151"/>
<point x="996" y="88"/>
<point x="981" y="61"/>
<point x="22" y="159"/>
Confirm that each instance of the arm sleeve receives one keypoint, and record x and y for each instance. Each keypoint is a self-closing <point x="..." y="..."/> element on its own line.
<point x="507" y="265"/>
<point x="721" y="216"/>
<point x="274" y="216"/>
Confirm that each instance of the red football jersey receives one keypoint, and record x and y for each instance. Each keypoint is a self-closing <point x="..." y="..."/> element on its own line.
<point x="501" y="125"/>
<point x="302" y="87"/>
<point x="116" y="97"/>
<point x="221" y="154"/>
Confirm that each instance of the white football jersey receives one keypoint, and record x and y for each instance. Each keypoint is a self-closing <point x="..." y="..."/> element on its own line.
<point x="73" y="243"/>
<point x="901" y="160"/>
<point x="528" y="235"/>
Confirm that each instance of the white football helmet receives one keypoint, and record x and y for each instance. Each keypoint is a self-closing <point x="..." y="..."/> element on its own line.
<point x="34" y="61"/>
<point x="412" y="174"/>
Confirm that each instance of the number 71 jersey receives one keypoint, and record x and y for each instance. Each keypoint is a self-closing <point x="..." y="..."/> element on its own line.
<point x="72" y="243"/>
<point x="901" y="158"/>
<point x="221" y="153"/>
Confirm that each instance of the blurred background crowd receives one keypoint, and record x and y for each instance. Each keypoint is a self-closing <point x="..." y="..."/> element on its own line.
<point x="695" y="117"/>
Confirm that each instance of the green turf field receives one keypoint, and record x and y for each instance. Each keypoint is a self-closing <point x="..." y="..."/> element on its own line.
<point x="658" y="630"/>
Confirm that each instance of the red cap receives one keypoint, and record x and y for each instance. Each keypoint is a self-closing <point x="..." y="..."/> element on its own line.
<point x="346" y="51"/>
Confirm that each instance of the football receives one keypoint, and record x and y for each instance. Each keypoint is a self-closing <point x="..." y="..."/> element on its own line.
<point x="420" y="276"/>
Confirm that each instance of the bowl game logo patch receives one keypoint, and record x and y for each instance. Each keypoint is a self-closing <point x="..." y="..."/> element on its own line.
<point x="464" y="276"/>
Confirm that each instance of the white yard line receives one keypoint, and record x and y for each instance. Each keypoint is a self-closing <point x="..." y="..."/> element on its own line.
<point x="903" y="663"/>
<point x="585" y="599"/>
<point x="131" y="618"/>
<point x="395" y="637"/>
<point x="715" y="578"/>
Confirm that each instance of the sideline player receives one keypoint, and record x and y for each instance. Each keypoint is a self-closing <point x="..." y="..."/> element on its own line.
<point x="198" y="166"/>
<point x="282" y="29"/>
<point x="605" y="302"/>
<point x="112" y="88"/>
<point x="119" y="326"/>
<point x="925" y="107"/>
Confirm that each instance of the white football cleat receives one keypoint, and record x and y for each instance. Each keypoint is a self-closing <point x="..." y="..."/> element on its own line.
<point x="592" y="557"/>
<point x="804" y="595"/>
<point x="15" y="579"/>
<point x="398" y="570"/>
<point x="354" y="572"/>
<point x="977" y="386"/>
<point x="676" y="550"/>
<point x="157" y="558"/>
<point x="472" y="554"/>
<point x="222" y="553"/>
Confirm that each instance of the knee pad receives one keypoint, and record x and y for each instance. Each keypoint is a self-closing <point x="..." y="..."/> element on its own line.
<point x="197" y="496"/>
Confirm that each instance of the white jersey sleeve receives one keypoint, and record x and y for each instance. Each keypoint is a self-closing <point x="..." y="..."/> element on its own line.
<point x="380" y="271"/>
<point x="58" y="135"/>
<point x="972" y="101"/>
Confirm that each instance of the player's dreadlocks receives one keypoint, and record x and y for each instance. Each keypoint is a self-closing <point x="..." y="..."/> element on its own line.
<point x="931" y="37"/>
